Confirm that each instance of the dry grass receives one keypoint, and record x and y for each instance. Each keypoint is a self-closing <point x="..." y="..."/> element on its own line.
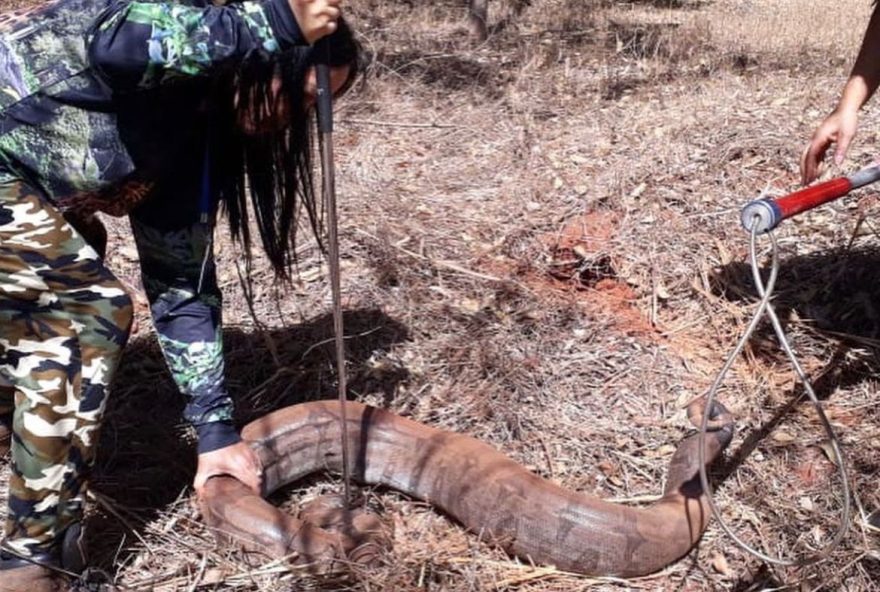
<point x="626" y="136"/>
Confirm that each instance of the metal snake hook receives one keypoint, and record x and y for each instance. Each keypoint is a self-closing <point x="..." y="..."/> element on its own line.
<point x="765" y="291"/>
<point x="325" y="127"/>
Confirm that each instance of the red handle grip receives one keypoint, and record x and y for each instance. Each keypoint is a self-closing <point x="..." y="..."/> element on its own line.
<point x="763" y="215"/>
<point x="806" y="199"/>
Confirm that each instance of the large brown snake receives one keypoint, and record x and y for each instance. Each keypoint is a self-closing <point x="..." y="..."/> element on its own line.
<point x="489" y="493"/>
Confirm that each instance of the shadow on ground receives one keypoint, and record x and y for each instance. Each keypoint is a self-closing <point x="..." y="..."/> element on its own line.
<point x="829" y="305"/>
<point x="831" y="298"/>
<point x="447" y="70"/>
<point x="146" y="458"/>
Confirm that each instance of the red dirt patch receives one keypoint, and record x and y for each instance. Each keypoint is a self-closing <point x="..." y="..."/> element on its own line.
<point x="591" y="231"/>
<point x="579" y="268"/>
<point x="581" y="251"/>
<point x="618" y="299"/>
<point x="581" y="259"/>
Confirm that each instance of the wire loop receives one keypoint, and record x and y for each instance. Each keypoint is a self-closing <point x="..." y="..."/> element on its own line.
<point x="765" y="291"/>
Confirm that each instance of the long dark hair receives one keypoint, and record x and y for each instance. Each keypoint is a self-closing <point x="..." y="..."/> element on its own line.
<point x="275" y="166"/>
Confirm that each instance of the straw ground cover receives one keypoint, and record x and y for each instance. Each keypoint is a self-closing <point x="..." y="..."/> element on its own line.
<point x="540" y="248"/>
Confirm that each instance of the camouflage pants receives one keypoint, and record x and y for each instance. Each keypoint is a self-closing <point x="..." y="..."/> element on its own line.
<point x="64" y="319"/>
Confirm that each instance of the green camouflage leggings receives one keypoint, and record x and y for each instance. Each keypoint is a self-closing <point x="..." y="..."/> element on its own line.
<point x="64" y="319"/>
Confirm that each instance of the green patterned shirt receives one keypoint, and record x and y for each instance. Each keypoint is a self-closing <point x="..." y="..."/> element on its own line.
<point x="100" y="101"/>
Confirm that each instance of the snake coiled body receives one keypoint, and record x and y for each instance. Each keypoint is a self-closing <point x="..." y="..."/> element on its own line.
<point x="489" y="493"/>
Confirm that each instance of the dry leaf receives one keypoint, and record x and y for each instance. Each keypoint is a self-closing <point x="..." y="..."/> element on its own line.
<point x="662" y="292"/>
<point x="470" y="305"/>
<point x="615" y="480"/>
<point x="581" y="251"/>
<point x="719" y="564"/>
<point x="723" y="254"/>
<point x="826" y="447"/>
<point x="638" y="190"/>
<point x="666" y="450"/>
<point x="312" y="275"/>
<point x="783" y="437"/>
<point x="608" y="468"/>
<point x="213" y="576"/>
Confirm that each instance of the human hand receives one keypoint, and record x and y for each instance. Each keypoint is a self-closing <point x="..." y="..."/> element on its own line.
<point x="316" y="18"/>
<point x="838" y="128"/>
<point x="238" y="460"/>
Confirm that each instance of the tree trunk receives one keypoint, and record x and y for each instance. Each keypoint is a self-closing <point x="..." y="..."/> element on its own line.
<point x="478" y="14"/>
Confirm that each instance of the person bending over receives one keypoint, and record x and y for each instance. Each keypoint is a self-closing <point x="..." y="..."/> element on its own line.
<point x="166" y="112"/>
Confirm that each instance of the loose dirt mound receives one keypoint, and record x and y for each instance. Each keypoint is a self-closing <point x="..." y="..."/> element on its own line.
<point x="581" y="258"/>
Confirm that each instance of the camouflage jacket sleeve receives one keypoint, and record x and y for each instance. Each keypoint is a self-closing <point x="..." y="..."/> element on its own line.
<point x="180" y="281"/>
<point x="136" y="45"/>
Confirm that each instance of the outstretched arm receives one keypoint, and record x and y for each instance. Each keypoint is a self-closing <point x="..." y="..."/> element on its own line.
<point x="178" y="273"/>
<point x="841" y="125"/>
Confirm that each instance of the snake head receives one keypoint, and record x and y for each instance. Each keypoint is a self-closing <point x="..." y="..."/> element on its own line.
<point x="720" y="418"/>
<point x="362" y="535"/>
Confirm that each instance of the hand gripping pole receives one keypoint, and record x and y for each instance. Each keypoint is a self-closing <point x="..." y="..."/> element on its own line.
<point x="767" y="213"/>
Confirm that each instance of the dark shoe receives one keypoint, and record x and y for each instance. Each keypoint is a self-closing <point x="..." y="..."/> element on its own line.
<point x="34" y="575"/>
<point x="73" y="549"/>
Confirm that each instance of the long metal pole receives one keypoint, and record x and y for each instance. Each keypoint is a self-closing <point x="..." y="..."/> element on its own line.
<point x="325" y="126"/>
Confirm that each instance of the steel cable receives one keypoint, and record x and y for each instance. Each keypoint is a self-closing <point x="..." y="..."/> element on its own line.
<point x="765" y="291"/>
